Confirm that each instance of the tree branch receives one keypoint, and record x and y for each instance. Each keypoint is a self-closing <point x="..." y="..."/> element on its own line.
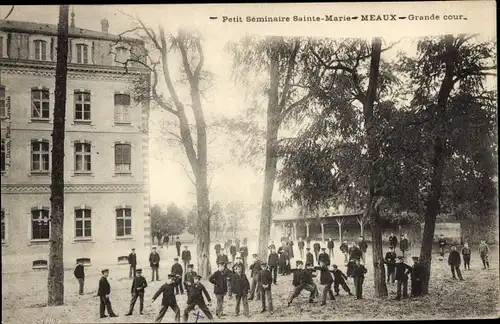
<point x="291" y="66"/>
<point x="202" y="58"/>
<point x="295" y="105"/>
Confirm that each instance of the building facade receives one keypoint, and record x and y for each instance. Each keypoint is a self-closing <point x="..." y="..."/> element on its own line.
<point x="106" y="146"/>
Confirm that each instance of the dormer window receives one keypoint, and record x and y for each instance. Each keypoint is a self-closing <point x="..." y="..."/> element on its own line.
<point x="40" y="50"/>
<point x="82" y="53"/>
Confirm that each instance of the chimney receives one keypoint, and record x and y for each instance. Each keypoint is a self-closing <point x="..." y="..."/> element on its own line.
<point x="104" y="25"/>
<point x="72" y="17"/>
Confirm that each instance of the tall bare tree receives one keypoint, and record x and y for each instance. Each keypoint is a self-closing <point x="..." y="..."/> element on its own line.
<point x="56" y="265"/>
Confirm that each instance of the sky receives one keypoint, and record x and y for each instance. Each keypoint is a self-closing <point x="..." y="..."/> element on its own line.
<point x="169" y="182"/>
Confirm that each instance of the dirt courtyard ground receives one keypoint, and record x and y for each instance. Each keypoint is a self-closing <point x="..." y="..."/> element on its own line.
<point x="24" y="297"/>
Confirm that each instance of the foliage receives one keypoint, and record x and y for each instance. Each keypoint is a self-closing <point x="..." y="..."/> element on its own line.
<point x="167" y="221"/>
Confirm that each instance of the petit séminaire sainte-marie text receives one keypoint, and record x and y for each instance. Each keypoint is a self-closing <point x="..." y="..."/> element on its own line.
<point x="338" y="18"/>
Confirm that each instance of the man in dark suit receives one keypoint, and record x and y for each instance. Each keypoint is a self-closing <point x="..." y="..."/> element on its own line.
<point x="273" y="261"/>
<point x="240" y="287"/>
<point x="186" y="257"/>
<point x="265" y="281"/>
<point x="324" y="257"/>
<point x="255" y="269"/>
<point x="232" y="251"/>
<point x="404" y="245"/>
<point x="417" y="273"/>
<point x="80" y="276"/>
<point x="390" y="261"/>
<point x="139" y="285"/>
<point x="358" y="273"/>
<point x="316" y="249"/>
<point x="154" y="263"/>
<point x="103" y="292"/>
<point x="340" y="279"/>
<point x="132" y="261"/>
<point x="178" y="246"/>
<point x="168" y="299"/>
<point x="402" y="272"/>
<point x="219" y="280"/>
<point x="177" y="270"/>
<point x="195" y="298"/>
<point x="393" y="240"/>
<point x="454" y="263"/>
<point x="309" y="256"/>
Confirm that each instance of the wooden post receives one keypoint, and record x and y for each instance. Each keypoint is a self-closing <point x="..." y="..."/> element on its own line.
<point x="340" y="222"/>
<point x="294" y="230"/>
<point x="361" y="222"/>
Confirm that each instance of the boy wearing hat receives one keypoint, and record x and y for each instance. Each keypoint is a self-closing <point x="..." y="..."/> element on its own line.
<point x="324" y="257"/>
<point x="195" y="298"/>
<point x="222" y="257"/>
<point x="139" y="285"/>
<point x="402" y="271"/>
<point x="168" y="299"/>
<point x="240" y="287"/>
<point x="154" y="263"/>
<point x="309" y="256"/>
<point x="186" y="256"/>
<point x="484" y="250"/>
<point x="132" y="261"/>
<point x="417" y="272"/>
<point x="298" y="275"/>
<point x="255" y="269"/>
<point x="308" y="282"/>
<point x="189" y="277"/>
<point x="103" y="292"/>
<point x="340" y="279"/>
<point x="178" y="245"/>
<point x="273" y="261"/>
<point x="219" y="280"/>
<point x="239" y="263"/>
<point x="326" y="280"/>
<point x="358" y="273"/>
<point x="393" y="240"/>
<point x="316" y="249"/>
<point x="266" y="280"/>
<point x="454" y="263"/>
<point x="404" y="245"/>
<point x="344" y="248"/>
<point x="363" y="246"/>
<point x="390" y="261"/>
<point x="466" y="252"/>
<point x="177" y="271"/>
<point x="80" y="276"/>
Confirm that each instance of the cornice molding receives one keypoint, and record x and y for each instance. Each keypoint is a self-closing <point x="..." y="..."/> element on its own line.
<point x="73" y="188"/>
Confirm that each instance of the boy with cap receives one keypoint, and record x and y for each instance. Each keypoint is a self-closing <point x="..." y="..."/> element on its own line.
<point x="195" y="298"/>
<point x="308" y="282"/>
<point x="177" y="271"/>
<point x="186" y="256"/>
<point x="330" y="245"/>
<point x="466" y="252"/>
<point x="297" y="281"/>
<point x="154" y="263"/>
<point x="393" y="240"/>
<point x="340" y="279"/>
<point x="324" y="257"/>
<point x="404" y="245"/>
<point x="238" y="263"/>
<point x="139" y="285"/>
<point x="300" y="245"/>
<point x="402" y="271"/>
<point x="178" y="246"/>
<point x="168" y="299"/>
<point x="309" y="256"/>
<point x="219" y="280"/>
<point x="103" y="292"/>
<point x="363" y="246"/>
<point x="326" y="280"/>
<point x="344" y="248"/>
<point x="189" y="277"/>
<point x="232" y="251"/>
<point x="80" y="275"/>
<point x="442" y="244"/>
<point x="222" y="257"/>
<point x="454" y="263"/>
<point x="244" y="255"/>
<point x="390" y="261"/>
<point x="255" y="269"/>
<point x="316" y="249"/>
<point x="240" y="287"/>
<point x="417" y="272"/>
<point x="273" y="261"/>
<point x="484" y="250"/>
<point x="132" y="261"/>
<point x="358" y="273"/>
<point x="266" y="280"/>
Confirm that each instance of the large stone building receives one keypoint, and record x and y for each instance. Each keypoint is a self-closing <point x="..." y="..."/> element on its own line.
<point x="106" y="146"/>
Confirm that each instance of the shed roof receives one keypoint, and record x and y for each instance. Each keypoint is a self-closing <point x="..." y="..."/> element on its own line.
<point x="290" y="214"/>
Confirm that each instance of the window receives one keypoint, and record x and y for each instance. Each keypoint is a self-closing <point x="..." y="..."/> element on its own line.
<point x="83" y="223"/>
<point x="2" y="155"/>
<point x="40" y="50"/>
<point x="122" y="106"/>
<point x="122" y="157"/>
<point x="82" y="157"/>
<point x="82" y="105"/>
<point x="82" y="54"/>
<point x="40" y="264"/>
<point x="40" y="104"/>
<point x="123" y="222"/>
<point x="121" y="55"/>
<point x="3" y="103"/>
<point x="40" y="156"/>
<point x="3" y="224"/>
<point x="40" y="225"/>
<point x="86" y="261"/>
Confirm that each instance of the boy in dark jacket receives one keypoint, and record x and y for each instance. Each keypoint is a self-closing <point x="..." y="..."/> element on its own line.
<point x="177" y="270"/>
<point x="219" y="280"/>
<point x="358" y="273"/>
<point x="316" y="249"/>
<point x="239" y="263"/>
<point x="325" y="279"/>
<point x="340" y="279"/>
<point x="363" y="246"/>
<point x="80" y="276"/>
<point x="103" y="292"/>
<point x="217" y="248"/>
<point x="417" y="272"/>
<point x="298" y="275"/>
<point x="168" y="299"/>
<point x="222" y="257"/>
<point x="273" y="261"/>
<point x="390" y="261"/>
<point x="266" y="280"/>
<point x="240" y="287"/>
<point x="186" y="257"/>
<point x="393" y="240"/>
<point x="154" y="263"/>
<point x="300" y="245"/>
<point x="324" y="257"/>
<point x="195" y="298"/>
<point x="404" y="245"/>
<point x="132" y="261"/>
<point x="442" y="244"/>
<point x="255" y="269"/>
<point x="189" y="277"/>
<point x="402" y="272"/>
<point x="454" y="262"/>
<point x="244" y="255"/>
<point x="330" y="245"/>
<point x="139" y="285"/>
<point x="308" y="281"/>
<point x="232" y="251"/>
<point x="178" y="246"/>
<point x="309" y="256"/>
<point x="466" y="252"/>
<point x="344" y="248"/>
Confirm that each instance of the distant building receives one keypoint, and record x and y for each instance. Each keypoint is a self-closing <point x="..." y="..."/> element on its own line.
<point x="106" y="150"/>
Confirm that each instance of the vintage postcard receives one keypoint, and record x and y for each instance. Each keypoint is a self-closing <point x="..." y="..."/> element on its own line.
<point x="249" y="162"/>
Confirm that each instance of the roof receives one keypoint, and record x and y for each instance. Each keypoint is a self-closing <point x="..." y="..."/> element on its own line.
<point x="290" y="214"/>
<point x="49" y="29"/>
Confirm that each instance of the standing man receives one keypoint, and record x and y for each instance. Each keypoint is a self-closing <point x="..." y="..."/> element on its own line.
<point x="178" y="246"/>
<point x="402" y="272"/>
<point x="255" y="270"/>
<point x="363" y="247"/>
<point x="300" y="245"/>
<point x="240" y="287"/>
<point x="139" y="285"/>
<point x="393" y="240"/>
<point x="168" y="299"/>
<point x="454" y="263"/>
<point x="154" y="263"/>
<point x="132" y="261"/>
<point x="326" y="280"/>
<point x="466" y="252"/>
<point x="390" y="261"/>
<point x="273" y="261"/>
<point x="80" y="276"/>
<point x="177" y="271"/>
<point x="330" y="244"/>
<point x="442" y="244"/>
<point x="358" y="273"/>
<point x="309" y="256"/>
<point x="232" y="251"/>
<point x="290" y="249"/>
<point x="344" y="248"/>
<point x="186" y="257"/>
<point x="244" y="255"/>
<point x="219" y="280"/>
<point x="217" y="248"/>
<point x="404" y="245"/>
<point x="195" y="298"/>
<point x="103" y="292"/>
<point x="316" y="249"/>
<point x="324" y="257"/>
<point x="417" y="273"/>
<point x="484" y="250"/>
<point x="189" y="277"/>
<point x="265" y="281"/>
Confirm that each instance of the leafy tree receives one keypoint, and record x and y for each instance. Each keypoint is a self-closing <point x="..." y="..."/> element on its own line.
<point x="167" y="221"/>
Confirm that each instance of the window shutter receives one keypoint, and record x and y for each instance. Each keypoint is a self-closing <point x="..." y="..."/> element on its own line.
<point x="127" y="154"/>
<point x="118" y="154"/>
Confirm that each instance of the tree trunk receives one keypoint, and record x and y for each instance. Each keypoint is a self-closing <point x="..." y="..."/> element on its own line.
<point x="273" y="121"/>
<point x="203" y="228"/>
<point x="373" y="153"/>
<point x="438" y="161"/>
<point x="55" y="282"/>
